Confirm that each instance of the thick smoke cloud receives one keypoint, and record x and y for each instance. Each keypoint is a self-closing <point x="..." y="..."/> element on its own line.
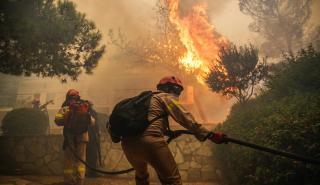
<point x="119" y="76"/>
<point x="215" y="7"/>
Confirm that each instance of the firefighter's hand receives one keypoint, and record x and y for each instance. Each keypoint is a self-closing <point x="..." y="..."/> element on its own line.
<point x="217" y="137"/>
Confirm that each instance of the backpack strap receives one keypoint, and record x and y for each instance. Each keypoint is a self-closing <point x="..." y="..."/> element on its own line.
<point x="160" y="116"/>
<point x="168" y="131"/>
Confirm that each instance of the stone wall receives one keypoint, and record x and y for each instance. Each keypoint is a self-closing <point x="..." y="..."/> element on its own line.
<point x="31" y="154"/>
<point x="43" y="155"/>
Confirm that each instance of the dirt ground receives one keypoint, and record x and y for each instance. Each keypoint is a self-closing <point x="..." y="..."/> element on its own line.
<point x="56" y="180"/>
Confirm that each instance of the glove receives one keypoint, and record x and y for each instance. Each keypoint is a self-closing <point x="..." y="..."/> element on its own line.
<point x="218" y="137"/>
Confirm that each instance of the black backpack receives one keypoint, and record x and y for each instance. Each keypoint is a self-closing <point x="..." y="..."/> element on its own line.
<point x="130" y="116"/>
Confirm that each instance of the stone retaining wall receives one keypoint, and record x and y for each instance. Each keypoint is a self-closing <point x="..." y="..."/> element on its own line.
<point x="43" y="155"/>
<point x="31" y="154"/>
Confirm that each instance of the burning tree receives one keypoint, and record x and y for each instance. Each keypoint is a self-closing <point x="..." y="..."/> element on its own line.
<point x="47" y="38"/>
<point x="242" y="72"/>
<point x="185" y="42"/>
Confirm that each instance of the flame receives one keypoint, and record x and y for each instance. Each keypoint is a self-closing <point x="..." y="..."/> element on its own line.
<point x="200" y="39"/>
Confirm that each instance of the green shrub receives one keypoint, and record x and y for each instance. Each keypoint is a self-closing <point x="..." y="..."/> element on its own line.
<point x="25" y="121"/>
<point x="295" y="74"/>
<point x="285" y="117"/>
<point x="291" y="124"/>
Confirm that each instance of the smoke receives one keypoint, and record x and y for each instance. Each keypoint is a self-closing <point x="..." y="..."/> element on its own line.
<point x="216" y="6"/>
<point x="315" y="17"/>
<point x="227" y="19"/>
<point x="312" y="29"/>
<point x="120" y="75"/>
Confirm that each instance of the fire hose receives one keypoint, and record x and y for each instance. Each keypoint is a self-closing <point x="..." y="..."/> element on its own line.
<point x="226" y="139"/>
<point x="172" y="135"/>
<point x="93" y="168"/>
<point x="293" y="156"/>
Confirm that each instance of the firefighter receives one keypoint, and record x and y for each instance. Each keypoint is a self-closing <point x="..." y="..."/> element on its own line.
<point x="151" y="147"/>
<point x="76" y="115"/>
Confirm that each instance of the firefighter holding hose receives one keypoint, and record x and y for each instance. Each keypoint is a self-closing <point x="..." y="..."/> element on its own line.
<point x="151" y="147"/>
<point x="75" y="115"/>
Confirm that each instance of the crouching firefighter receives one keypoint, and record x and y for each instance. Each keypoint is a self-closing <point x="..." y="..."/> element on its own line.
<point x="144" y="143"/>
<point x="75" y="115"/>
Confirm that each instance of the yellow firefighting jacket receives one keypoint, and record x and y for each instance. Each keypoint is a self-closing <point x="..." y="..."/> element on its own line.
<point x="59" y="119"/>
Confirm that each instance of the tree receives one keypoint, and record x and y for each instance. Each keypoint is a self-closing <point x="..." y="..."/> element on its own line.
<point x="242" y="72"/>
<point x="280" y="22"/>
<point x="286" y="117"/>
<point x="48" y="39"/>
<point x="162" y="46"/>
<point x="302" y="74"/>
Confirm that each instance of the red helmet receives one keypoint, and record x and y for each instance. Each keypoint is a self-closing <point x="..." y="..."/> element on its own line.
<point x="73" y="93"/>
<point x="170" y="80"/>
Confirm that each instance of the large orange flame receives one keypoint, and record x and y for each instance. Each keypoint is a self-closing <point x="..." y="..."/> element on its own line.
<point x="199" y="37"/>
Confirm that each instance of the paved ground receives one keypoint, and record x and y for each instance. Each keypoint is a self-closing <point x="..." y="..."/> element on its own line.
<point x="55" y="180"/>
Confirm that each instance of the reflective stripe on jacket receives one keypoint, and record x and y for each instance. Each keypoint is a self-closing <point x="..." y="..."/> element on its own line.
<point x="79" y="137"/>
<point x="168" y="104"/>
